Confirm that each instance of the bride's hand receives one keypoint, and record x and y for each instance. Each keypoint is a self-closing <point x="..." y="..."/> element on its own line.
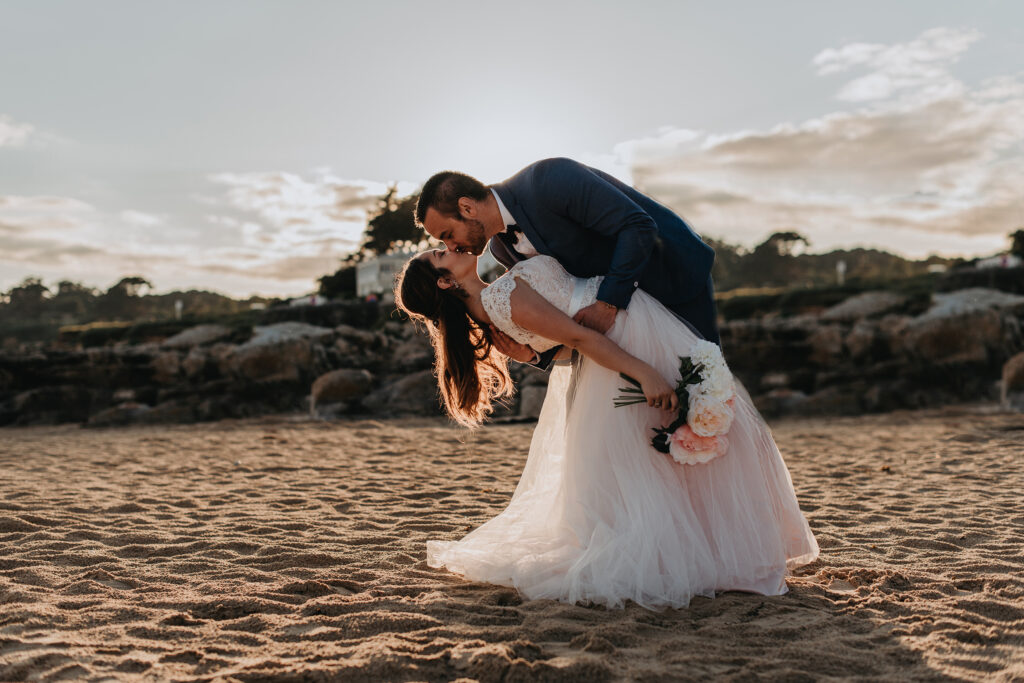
<point x="658" y="392"/>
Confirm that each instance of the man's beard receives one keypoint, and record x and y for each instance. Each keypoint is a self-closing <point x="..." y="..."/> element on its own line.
<point x="476" y="236"/>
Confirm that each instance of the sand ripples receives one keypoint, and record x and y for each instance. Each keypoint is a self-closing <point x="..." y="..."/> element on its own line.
<point x="288" y="550"/>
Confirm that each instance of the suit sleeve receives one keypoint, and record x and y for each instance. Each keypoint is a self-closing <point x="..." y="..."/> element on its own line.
<point x="570" y="189"/>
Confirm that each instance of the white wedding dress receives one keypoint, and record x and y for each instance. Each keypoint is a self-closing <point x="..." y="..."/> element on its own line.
<point x="600" y="516"/>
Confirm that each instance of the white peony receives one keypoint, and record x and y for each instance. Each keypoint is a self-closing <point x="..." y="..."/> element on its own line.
<point x="718" y="384"/>
<point x="706" y="353"/>
<point x="708" y="416"/>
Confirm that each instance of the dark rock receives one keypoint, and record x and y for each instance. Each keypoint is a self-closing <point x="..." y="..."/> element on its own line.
<point x="122" y="414"/>
<point x="361" y="339"/>
<point x="779" y="402"/>
<point x="289" y="360"/>
<point x="865" y="305"/>
<point x="415" y="394"/>
<point x="195" y="365"/>
<point x="197" y="336"/>
<point x="531" y="399"/>
<point x="955" y="339"/>
<point x="345" y="386"/>
<point x="836" y="400"/>
<point x="826" y="345"/>
<point x="170" y="412"/>
<point x="414" y="353"/>
<point x="1012" y="385"/>
<point x="53" y="405"/>
<point x="166" y="367"/>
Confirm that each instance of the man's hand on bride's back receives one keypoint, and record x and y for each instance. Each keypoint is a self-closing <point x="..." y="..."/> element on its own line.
<point x="510" y="347"/>
<point x="598" y="316"/>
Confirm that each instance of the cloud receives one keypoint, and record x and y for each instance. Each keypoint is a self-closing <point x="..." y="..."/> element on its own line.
<point x="12" y="133"/>
<point x="920" y="65"/>
<point x="141" y="219"/>
<point x="294" y="210"/>
<point x="287" y="228"/>
<point x="925" y="163"/>
<point x="42" y="204"/>
<point x="272" y="233"/>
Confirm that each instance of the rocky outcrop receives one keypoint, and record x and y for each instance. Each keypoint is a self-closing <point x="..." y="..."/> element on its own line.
<point x="864" y="354"/>
<point x="848" y="364"/>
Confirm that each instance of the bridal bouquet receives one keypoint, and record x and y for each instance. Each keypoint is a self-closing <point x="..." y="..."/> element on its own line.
<point x="706" y="397"/>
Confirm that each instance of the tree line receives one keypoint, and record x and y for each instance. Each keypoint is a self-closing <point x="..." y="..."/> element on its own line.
<point x="781" y="261"/>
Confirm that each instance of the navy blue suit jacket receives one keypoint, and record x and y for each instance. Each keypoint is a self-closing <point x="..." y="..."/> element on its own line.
<point x="594" y="224"/>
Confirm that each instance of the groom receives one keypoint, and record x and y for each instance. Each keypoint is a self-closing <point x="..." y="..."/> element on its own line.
<point x="592" y="224"/>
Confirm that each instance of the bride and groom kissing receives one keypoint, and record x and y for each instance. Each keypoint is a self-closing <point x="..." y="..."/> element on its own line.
<point x="599" y="515"/>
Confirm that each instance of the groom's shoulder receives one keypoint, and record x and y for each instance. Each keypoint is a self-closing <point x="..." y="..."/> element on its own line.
<point x="557" y="165"/>
<point x="551" y="168"/>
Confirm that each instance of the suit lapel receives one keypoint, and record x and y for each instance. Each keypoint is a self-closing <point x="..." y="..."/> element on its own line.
<point x="508" y="198"/>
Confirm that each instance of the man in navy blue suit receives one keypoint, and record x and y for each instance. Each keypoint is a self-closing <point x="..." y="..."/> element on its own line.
<point x="592" y="223"/>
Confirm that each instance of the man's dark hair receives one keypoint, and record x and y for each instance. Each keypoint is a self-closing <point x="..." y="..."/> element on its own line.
<point x="442" y="193"/>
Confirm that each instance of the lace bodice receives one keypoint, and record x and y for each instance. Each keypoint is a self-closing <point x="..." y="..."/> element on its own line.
<point x="548" y="278"/>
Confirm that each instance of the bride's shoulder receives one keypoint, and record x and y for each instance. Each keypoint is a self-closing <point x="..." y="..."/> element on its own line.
<point x="540" y="263"/>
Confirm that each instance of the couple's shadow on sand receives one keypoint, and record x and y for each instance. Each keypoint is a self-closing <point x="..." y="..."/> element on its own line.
<point x="832" y="624"/>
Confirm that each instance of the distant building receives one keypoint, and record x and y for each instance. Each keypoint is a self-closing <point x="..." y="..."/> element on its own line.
<point x="376" y="276"/>
<point x="1006" y="260"/>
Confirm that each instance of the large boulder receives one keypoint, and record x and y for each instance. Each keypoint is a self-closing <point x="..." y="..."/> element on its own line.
<point x="413" y="353"/>
<point x="339" y="386"/>
<point x="864" y="305"/>
<point x="891" y="331"/>
<point x="285" y="361"/>
<point x="958" y="338"/>
<point x="360" y="339"/>
<point x="860" y="340"/>
<point x="195" y="364"/>
<point x="826" y="344"/>
<point x="971" y="300"/>
<point x="264" y="335"/>
<point x="414" y="394"/>
<point x="166" y="367"/>
<point x="1013" y="382"/>
<point x="197" y="336"/>
<point x="283" y="352"/>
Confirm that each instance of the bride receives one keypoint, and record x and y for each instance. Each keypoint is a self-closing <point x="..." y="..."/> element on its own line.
<point x="599" y="515"/>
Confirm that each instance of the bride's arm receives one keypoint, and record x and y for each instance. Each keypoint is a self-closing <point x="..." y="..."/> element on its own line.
<point x="533" y="312"/>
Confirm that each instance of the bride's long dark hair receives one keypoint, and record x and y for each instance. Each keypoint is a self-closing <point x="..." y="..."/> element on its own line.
<point x="471" y="373"/>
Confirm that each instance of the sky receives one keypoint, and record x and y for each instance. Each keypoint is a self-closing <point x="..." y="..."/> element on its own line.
<point x="236" y="146"/>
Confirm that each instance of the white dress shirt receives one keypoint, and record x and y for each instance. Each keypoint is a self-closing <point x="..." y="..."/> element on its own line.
<point x="522" y="244"/>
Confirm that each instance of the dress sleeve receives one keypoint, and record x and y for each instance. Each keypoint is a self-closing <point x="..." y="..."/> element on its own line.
<point x="497" y="301"/>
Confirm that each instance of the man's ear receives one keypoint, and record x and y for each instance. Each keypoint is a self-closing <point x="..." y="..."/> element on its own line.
<point x="467" y="207"/>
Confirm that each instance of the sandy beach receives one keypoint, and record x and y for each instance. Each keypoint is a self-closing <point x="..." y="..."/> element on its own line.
<point x="292" y="550"/>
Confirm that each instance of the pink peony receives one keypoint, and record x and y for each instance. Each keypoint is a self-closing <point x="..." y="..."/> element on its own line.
<point x="709" y="417"/>
<point x="688" y="448"/>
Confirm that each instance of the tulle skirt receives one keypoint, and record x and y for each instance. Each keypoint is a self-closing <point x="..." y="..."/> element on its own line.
<point x="601" y="517"/>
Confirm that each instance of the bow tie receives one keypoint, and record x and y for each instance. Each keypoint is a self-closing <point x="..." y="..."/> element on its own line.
<point x="513" y="229"/>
